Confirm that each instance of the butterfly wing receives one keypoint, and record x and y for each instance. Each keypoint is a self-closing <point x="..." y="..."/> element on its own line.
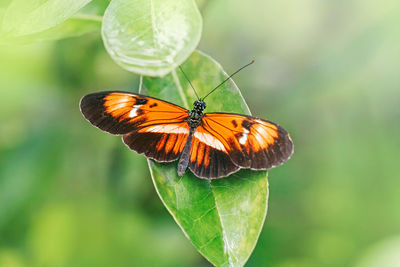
<point x="226" y="142"/>
<point x="209" y="157"/>
<point x="149" y="125"/>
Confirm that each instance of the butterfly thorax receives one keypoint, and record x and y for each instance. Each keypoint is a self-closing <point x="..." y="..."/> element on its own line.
<point x="196" y="113"/>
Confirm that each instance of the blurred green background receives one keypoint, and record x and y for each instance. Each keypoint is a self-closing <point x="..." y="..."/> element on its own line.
<point x="328" y="71"/>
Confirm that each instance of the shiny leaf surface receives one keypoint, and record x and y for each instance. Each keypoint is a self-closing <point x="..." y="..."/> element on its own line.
<point x="24" y="17"/>
<point x="151" y="37"/>
<point x="72" y="27"/>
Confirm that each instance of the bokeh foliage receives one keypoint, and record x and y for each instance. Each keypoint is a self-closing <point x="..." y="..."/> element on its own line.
<point x="327" y="71"/>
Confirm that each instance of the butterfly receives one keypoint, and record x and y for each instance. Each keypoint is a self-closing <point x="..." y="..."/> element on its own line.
<point x="211" y="145"/>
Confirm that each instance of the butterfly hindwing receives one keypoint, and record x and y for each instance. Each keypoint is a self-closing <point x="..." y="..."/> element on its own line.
<point x="151" y="126"/>
<point x="226" y="142"/>
<point x="208" y="156"/>
<point x="160" y="142"/>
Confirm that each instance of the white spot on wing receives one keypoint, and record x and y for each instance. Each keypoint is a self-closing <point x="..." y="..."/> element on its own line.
<point x="118" y="106"/>
<point x="172" y="128"/>
<point x="133" y="112"/>
<point x="259" y="139"/>
<point x="243" y="138"/>
<point x="261" y="130"/>
<point x="209" y="140"/>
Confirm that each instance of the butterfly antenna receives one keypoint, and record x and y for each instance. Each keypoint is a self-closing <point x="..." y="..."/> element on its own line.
<point x="189" y="83"/>
<point x="230" y="76"/>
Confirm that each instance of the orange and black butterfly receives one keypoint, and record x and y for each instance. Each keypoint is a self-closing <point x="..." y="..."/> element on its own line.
<point x="212" y="145"/>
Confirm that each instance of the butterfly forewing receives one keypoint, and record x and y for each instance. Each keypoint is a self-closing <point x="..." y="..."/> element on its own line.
<point x="151" y="126"/>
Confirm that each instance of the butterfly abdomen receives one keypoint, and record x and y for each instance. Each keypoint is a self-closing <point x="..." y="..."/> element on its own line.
<point x="185" y="156"/>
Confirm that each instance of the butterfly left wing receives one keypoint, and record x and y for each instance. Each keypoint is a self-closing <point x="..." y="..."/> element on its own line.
<point x="226" y="142"/>
<point x="149" y="125"/>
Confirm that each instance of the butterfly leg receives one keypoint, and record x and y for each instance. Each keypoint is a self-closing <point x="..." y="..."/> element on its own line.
<point x="184" y="159"/>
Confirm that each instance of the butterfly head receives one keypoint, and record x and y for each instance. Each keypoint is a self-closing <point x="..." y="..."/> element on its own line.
<point x="199" y="106"/>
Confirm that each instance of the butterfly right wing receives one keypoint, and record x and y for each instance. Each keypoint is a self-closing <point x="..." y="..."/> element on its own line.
<point x="151" y="126"/>
<point x="227" y="142"/>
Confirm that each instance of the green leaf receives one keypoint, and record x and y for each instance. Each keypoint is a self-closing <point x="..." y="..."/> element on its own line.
<point x="222" y="218"/>
<point x="25" y="17"/>
<point x="95" y="8"/>
<point x="151" y="37"/>
<point x="87" y="20"/>
<point x="75" y="26"/>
